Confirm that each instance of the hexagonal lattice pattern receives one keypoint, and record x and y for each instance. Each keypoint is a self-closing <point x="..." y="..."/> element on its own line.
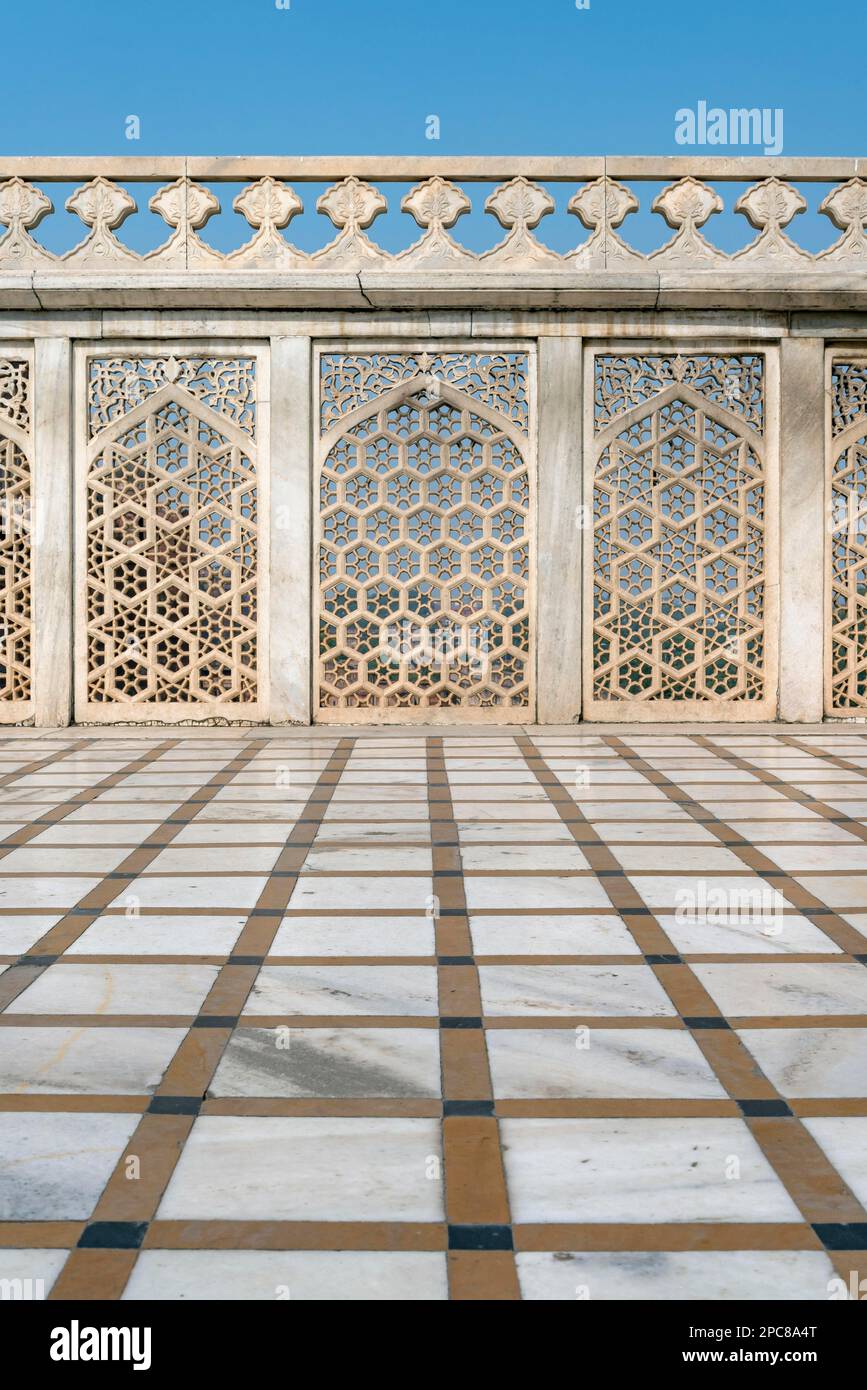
<point x="172" y="539"/>
<point x="679" y="532"/>
<point x="846" y="636"/>
<point x="424" y="558"/>
<point x="15" y="533"/>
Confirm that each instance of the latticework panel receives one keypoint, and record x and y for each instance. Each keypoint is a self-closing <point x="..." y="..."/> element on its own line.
<point x="16" y="636"/>
<point x="846" y="630"/>
<point x="425" y="539"/>
<point x="172" y="565"/>
<point x="679" y="547"/>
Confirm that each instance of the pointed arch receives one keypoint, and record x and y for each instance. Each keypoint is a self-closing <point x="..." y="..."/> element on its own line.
<point x="172" y="563"/>
<point x="679" y="577"/>
<point x="424" y="544"/>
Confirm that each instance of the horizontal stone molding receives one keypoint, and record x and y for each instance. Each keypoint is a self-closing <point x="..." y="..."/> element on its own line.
<point x="398" y="168"/>
<point x="351" y="269"/>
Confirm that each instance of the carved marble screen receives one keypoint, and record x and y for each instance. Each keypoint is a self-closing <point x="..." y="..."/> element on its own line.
<point x="680" y="571"/>
<point x="171" y="560"/>
<point x="16" y="537"/>
<point x="846" y="584"/>
<point x="425" y="537"/>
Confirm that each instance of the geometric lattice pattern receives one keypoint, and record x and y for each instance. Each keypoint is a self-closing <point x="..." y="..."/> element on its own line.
<point x="172" y="556"/>
<point x="117" y="385"/>
<point x="424" y="552"/>
<point x="498" y="380"/>
<point x="15" y="532"/>
<point x="847" y="636"/>
<point x="678" y="535"/>
<point x="626" y="381"/>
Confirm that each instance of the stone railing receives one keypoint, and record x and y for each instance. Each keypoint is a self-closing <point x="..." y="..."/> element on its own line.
<point x="352" y="269"/>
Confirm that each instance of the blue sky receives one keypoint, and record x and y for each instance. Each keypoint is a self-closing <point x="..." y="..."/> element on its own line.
<point x="363" y="77"/>
<point x="360" y="76"/>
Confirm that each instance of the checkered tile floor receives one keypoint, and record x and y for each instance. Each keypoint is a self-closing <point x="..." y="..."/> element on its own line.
<point x="395" y="1014"/>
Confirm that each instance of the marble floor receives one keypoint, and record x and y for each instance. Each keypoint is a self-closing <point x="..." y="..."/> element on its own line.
<point x="423" y="1014"/>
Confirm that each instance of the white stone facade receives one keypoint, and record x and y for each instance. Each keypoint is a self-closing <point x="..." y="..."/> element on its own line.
<point x="429" y="485"/>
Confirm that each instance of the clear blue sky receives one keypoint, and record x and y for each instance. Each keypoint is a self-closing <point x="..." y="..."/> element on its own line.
<point x="360" y="76"/>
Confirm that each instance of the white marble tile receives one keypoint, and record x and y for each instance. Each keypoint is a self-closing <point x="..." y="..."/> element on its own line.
<point x="552" y="858"/>
<point x="280" y="800"/>
<point x="687" y="1275"/>
<point x="128" y="833"/>
<point x="804" y="1062"/>
<point x="379" y="833"/>
<point x="837" y="793"/>
<point x="314" y="894"/>
<point x="299" y="1169"/>
<point x="648" y="832"/>
<point x="759" y="794"/>
<point x="572" y="989"/>
<point x="833" y="858"/>
<point x="242" y="859"/>
<point x="579" y="774"/>
<point x="115" y="934"/>
<point x="19" y="933"/>
<point x="239" y="813"/>
<point x="326" y="1276"/>
<point x="85" y="1061"/>
<point x="499" y="811"/>
<point x="640" y="1170"/>
<point x="634" y="811"/>
<point x="144" y="795"/>
<point x="722" y="773"/>
<point x="533" y="892"/>
<point x="384" y="859"/>
<point x="804" y="777"/>
<point x="239" y="891"/>
<point x="518" y="795"/>
<point x="599" y="1063"/>
<point x="27" y="891"/>
<point x="729" y="896"/>
<point x="331" y="990"/>
<point x="185" y="778"/>
<point x="341" y="1062"/>
<point x="31" y="802"/>
<point x="116" y="989"/>
<point x="462" y="762"/>
<point x="128" y="815"/>
<point x="844" y="1140"/>
<point x="843" y="890"/>
<point x="354" y="936"/>
<point x="706" y="858"/>
<point x="226" y="833"/>
<point x="809" y="832"/>
<point x="641" y="792"/>
<point x="361" y="763"/>
<point x="285" y="780"/>
<point x="36" y="1270"/>
<point x="784" y="933"/>
<point x="415" y="795"/>
<point x="53" y="1167"/>
<point x="774" y="808"/>
<point x="364" y="811"/>
<point x="588" y="934"/>
<point x="786" y="989"/>
<point x="487" y="832"/>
